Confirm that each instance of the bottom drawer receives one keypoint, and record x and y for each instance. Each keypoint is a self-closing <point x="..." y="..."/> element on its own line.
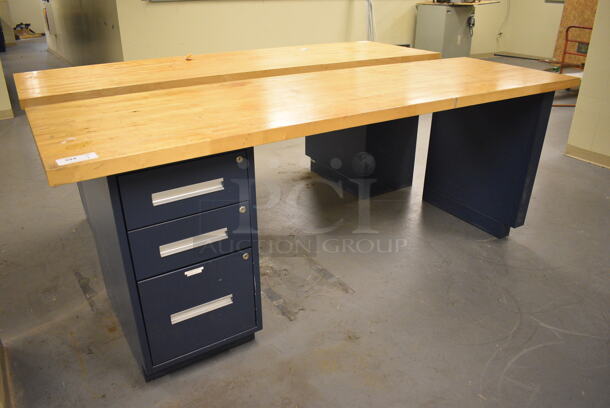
<point x="197" y="306"/>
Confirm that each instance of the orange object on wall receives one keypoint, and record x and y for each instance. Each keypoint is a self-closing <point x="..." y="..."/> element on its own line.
<point x="575" y="13"/>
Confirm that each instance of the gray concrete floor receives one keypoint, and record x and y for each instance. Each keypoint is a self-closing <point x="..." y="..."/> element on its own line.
<point x="438" y="314"/>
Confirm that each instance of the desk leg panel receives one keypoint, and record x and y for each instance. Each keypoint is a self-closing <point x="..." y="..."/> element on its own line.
<point x="103" y="207"/>
<point x="366" y="160"/>
<point x="482" y="161"/>
<point x="254" y="238"/>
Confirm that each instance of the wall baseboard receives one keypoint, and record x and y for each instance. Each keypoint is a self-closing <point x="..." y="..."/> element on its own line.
<point x="588" y="156"/>
<point x="517" y="55"/>
<point x="483" y="55"/>
<point x="61" y="57"/>
<point x="6" y="114"/>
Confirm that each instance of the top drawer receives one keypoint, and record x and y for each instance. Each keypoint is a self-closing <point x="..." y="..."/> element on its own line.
<point x="176" y="190"/>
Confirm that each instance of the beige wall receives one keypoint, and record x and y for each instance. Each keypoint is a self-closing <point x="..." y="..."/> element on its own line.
<point x="86" y="31"/>
<point x="6" y="111"/>
<point x="531" y="28"/>
<point x="162" y="29"/>
<point x="175" y="28"/>
<point x="7" y="22"/>
<point x="28" y="11"/>
<point x="489" y="19"/>
<point x="590" y="133"/>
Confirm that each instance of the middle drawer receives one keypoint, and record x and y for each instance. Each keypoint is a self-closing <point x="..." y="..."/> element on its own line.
<point x="189" y="240"/>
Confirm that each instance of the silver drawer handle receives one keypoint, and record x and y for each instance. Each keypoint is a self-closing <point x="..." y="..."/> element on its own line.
<point x="192" y="272"/>
<point x="193" y="242"/>
<point x="201" y="309"/>
<point x="182" y="193"/>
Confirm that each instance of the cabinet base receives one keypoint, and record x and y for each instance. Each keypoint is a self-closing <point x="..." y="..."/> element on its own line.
<point x="367" y="160"/>
<point x="149" y="376"/>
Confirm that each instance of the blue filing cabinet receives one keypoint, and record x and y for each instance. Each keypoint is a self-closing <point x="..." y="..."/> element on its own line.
<point x="178" y="247"/>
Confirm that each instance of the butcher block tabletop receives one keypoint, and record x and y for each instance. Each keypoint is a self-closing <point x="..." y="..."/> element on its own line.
<point x="91" y="138"/>
<point x="84" y="82"/>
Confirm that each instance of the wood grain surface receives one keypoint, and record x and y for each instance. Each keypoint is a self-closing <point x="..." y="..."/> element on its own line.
<point x="140" y="130"/>
<point x="91" y="81"/>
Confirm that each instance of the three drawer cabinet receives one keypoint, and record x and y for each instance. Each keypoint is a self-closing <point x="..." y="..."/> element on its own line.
<point x="178" y="247"/>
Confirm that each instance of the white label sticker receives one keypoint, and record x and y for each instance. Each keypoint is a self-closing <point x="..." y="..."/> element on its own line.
<point x="75" y="159"/>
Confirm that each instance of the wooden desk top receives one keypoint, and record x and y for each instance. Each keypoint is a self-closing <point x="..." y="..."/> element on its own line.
<point x="70" y="84"/>
<point x="139" y="130"/>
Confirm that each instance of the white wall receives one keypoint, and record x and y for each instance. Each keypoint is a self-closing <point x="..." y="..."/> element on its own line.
<point x="7" y="22"/>
<point x="86" y="31"/>
<point x="590" y="132"/>
<point x="6" y="111"/>
<point x="28" y="11"/>
<point x="531" y="28"/>
<point x="175" y="28"/>
<point x="489" y="19"/>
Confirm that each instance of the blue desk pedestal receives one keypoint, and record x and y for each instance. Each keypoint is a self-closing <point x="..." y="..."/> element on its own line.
<point x="482" y="161"/>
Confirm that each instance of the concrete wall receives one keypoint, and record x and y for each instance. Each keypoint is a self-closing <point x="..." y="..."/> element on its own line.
<point x="28" y="11"/>
<point x="85" y="31"/>
<point x="590" y="132"/>
<point x="175" y="28"/>
<point x="531" y="28"/>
